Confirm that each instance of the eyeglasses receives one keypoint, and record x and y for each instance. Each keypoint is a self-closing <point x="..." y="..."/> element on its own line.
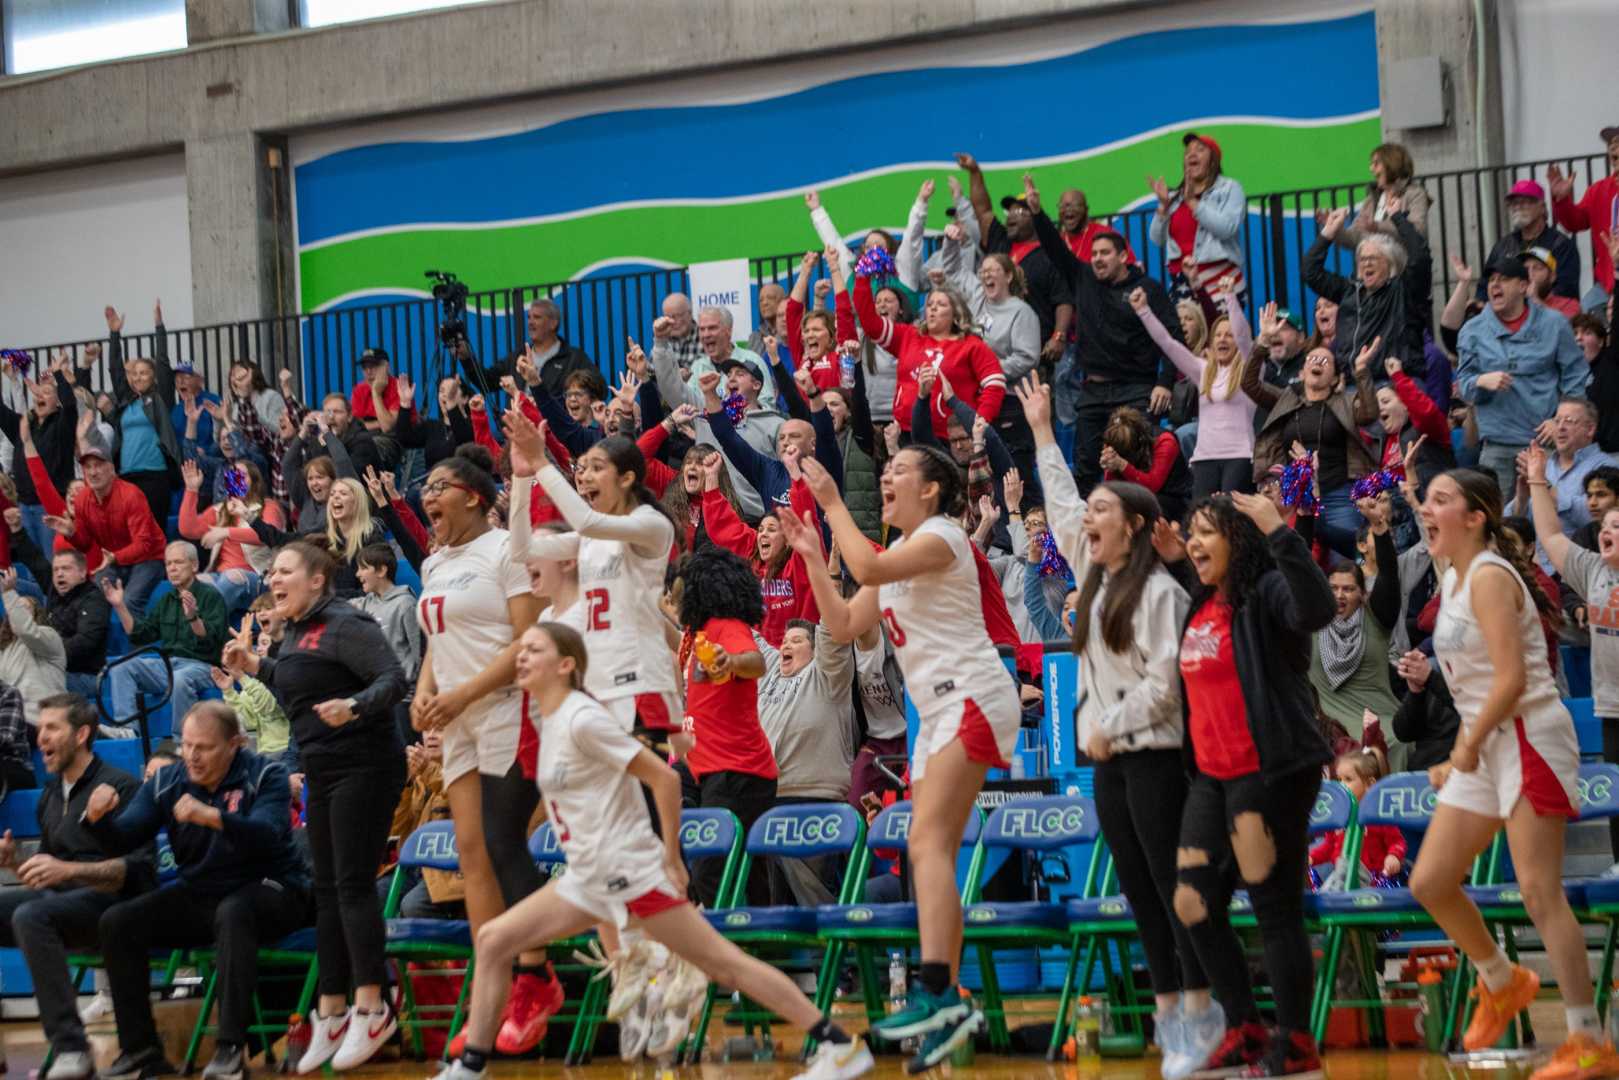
<point x="438" y="487"/>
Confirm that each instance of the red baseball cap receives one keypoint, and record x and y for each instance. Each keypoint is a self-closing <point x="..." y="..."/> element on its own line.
<point x="1206" y="140"/>
<point x="1527" y="189"/>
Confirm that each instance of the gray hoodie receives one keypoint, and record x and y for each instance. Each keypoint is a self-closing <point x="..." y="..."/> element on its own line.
<point x="809" y="720"/>
<point x="395" y="611"/>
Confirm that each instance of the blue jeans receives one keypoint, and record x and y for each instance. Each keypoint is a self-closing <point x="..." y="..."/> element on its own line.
<point x="33" y="522"/>
<point x="139" y="582"/>
<point x="83" y="685"/>
<point x="1336" y="521"/>
<point x="145" y="674"/>
<point x="238" y="588"/>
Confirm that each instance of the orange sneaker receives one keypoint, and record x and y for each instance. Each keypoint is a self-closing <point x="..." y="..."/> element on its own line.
<point x="1581" y="1057"/>
<point x="1496" y="1010"/>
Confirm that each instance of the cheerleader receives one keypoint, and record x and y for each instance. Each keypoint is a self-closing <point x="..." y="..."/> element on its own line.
<point x="925" y="590"/>
<point x="1516" y="762"/>
<point x="592" y="771"/>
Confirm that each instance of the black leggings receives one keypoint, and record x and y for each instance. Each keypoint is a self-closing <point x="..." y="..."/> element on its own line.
<point x="1203" y="895"/>
<point x="350" y="806"/>
<point x="1139" y="797"/>
<point x="1222" y="474"/>
<point x="508" y="803"/>
<point x="157" y="489"/>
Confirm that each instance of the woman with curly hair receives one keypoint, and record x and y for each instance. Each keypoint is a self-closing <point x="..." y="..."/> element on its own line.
<point x="731" y="760"/>
<point x="1135" y="450"/>
<point x="1254" y="754"/>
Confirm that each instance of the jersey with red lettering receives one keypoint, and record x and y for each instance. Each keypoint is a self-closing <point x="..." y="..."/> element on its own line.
<point x="595" y="805"/>
<point x="936" y="623"/>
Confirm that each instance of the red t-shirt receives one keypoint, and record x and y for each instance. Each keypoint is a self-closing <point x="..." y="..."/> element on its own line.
<point x="361" y="405"/>
<point x="725" y="717"/>
<point x="1512" y="325"/>
<point x="1021" y="248"/>
<point x="1182" y="230"/>
<point x="1221" y="742"/>
<point x="1080" y="243"/>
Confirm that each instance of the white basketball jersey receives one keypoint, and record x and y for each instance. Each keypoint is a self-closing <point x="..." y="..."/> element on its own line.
<point x="463" y="613"/>
<point x="595" y="805"/>
<point x="1459" y="645"/>
<point x="623" y="627"/>
<point x="936" y="623"/>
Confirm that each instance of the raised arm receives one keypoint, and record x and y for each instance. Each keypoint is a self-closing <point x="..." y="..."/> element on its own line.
<point x="1065" y="510"/>
<point x="1543" y="506"/>
<point x="1316" y="275"/>
<point x="908" y="260"/>
<point x="1185" y="360"/>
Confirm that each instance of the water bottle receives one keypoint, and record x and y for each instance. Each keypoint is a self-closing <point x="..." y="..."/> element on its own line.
<point x="896" y="981"/>
<point x="846" y="363"/>
<point x="1431" y="995"/>
<point x="298" y="1035"/>
<point x="1087" y="1035"/>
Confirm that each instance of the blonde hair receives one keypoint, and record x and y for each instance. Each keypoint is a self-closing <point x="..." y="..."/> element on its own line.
<point x="1200" y="322"/>
<point x="346" y="544"/>
<point x="1233" y="379"/>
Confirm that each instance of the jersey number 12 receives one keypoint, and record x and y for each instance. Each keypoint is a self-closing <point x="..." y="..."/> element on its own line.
<point x="596" y="601"/>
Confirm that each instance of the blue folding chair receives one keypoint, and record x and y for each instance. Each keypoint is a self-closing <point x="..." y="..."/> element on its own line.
<point x="787" y="934"/>
<point x="19" y="812"/>
<point x="431" y="847"/>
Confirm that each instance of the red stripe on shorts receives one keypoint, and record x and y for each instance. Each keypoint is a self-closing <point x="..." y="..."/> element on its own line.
<point x="653" y="903"/>
<point x="978" y="737"/>
<point x="654" y="713"/>
<point x="528" y="744"/>
<point x="1540" y="785"/>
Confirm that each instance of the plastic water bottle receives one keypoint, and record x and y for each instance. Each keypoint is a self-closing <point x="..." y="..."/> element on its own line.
<point x="896" y="981"/>
<point x="846" y="362"/>
<point x="1088" y="1034"/>
<point x="1431" y="995"/>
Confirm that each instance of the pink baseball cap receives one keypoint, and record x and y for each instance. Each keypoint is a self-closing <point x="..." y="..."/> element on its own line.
<point x="1527" y="189"/>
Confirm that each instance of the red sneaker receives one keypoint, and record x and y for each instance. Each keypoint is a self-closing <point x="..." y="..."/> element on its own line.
<point x="1291" y="1054"/>
<point x="1242" y="1047"/>
<point x="457" y="1044"/>
<point x="529" y="1010"/>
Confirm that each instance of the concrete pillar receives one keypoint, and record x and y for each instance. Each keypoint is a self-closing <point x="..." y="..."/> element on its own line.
<point x="1444" y="28"/>
<point x="239" y="219"/>
<point x="215" y="20"/>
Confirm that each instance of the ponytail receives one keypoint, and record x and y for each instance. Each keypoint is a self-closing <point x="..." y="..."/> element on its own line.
<point x="1512" y="549"/>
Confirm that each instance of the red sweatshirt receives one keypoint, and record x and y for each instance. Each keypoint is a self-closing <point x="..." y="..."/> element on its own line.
<point x="1425" y="418"/>
<point x="997" y="619"/>
<point x="1165" y="449"/>
<point x="122" y="524"/>
<point x="824" y="371"/>
<point x="1598" y="211"/>
<point x="50" y="500"/>
<point x="540" y="508"/>
<point x="1379" y="842"/>
<point x="974" y="372"/>
<point x="787" y="594"/>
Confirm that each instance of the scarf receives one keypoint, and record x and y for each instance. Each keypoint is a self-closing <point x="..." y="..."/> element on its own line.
<point x="1341" y="644"/>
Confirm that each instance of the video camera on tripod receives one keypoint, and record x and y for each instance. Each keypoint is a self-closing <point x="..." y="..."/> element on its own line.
<point x="451" y="294"/>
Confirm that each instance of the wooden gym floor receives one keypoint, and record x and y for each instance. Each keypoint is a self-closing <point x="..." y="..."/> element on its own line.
<point x="25" y="1047"/>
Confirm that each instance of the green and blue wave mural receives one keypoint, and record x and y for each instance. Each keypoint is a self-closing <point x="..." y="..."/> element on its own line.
<point x="1294" y="104"/>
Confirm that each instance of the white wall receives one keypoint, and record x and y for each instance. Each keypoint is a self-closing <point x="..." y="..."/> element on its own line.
<point x="76" y="240"/>
<point x="1557" y="68"/>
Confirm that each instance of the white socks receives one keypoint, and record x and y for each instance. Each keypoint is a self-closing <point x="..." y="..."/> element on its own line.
<point x="1582" y="1020"/>
<point x="1496" y="971"/>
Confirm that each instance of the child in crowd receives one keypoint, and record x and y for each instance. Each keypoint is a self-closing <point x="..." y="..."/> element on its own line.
<point x="1382" y="847"/>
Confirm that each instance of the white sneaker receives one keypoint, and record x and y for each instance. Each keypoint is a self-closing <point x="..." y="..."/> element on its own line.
<point x="839" y="1061"/>
<point x="454" y="1070"/>
<point x="73" y="1065"/>
<point x="1610" y="872"/>
<point x="366" y="1034"/>
<point x="325" y="1036"/>
<point x="98" y="1008"/>
<point x="635" y="1026"/>
<point x="631" y="970"/>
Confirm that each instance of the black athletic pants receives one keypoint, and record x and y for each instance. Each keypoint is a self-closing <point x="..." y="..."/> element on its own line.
<point x="748" y="797"/>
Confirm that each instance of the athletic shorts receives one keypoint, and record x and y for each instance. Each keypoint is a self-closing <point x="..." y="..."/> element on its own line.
<point x="1538" y="762"/>
<point x="615" y="908"/>
<point x="988" y="730"/>
<point x="657" y="710"/>
<point x="486" y="740"/>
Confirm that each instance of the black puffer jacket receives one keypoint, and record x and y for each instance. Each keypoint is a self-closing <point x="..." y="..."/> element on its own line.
<point x="1398" y="312"/>
<point x="1271" y="633"/>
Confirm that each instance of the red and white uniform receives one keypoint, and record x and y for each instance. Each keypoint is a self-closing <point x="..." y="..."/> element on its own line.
<point x="615" y="860"/>
<point x="463" y="613"/>
<point x="621" y="562"/>
<point x="1532" y="755"/>
<point x="953" y="674"/>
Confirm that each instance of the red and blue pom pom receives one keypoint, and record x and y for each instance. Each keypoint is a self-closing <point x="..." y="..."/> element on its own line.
<point x="875" y="262"/>
<point x="18" y="360"/>
<point x="1298" y="485"/>
<point x="736" y="407"/>
<point x="1052" y="564"/>
<point x="236" y="482"/>
<point x="1374" y="484"/>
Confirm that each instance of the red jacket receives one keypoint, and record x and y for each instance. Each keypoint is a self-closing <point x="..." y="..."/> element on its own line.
<point x="1596" y="211"/>
<point x="1165" y="449"/>
<point x="52" y="502"/>
<point x="825" y="372"/>
<point x="974" y="372"/>
<point x="787" y="594"/>
<point x="540" y="508"/>
<point x="122" y="524"/>
<point x="1425" y="418"/>
<point x="1378" y="843"/>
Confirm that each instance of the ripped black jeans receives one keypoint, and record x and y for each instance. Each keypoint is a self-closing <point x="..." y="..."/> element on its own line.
<point x="1223" y="848"/>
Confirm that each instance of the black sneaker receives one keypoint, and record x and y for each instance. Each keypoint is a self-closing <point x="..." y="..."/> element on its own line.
<point x="229" y="1063"/>
<point x="138" y="1065"/>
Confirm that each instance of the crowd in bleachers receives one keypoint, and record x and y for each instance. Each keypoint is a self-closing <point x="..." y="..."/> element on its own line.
<point x="167" y="539"/>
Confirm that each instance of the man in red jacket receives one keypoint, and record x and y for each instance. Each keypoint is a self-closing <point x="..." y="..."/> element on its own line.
<point x="1598" y="210"/>
<point x="113" y="514"/>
